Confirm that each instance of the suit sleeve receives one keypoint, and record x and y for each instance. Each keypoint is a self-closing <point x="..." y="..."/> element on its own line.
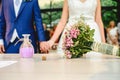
<point x="38" y="22"/>
<point x="2" y="22"/>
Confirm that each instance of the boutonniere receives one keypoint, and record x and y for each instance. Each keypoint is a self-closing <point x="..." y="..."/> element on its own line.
<point x="27" y="0"/>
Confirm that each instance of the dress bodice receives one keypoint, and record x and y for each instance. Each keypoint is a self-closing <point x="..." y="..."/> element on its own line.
<point x="78" y="8"/>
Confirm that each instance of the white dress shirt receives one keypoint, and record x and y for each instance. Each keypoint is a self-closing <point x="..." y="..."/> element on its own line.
<point x="16" y="8"/>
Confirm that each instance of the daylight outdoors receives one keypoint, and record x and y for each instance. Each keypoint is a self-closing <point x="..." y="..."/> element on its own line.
<point x="51" y="13"/>
<point x="109" y="11"/>
<point x="37" y="44"/>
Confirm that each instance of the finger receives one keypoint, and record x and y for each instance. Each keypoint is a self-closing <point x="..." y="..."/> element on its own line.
<point x="3" y="49"/>
<point x="45" y="46"/>
<point x="49" y="45"/>
<point x="41" y="50"/>
<point x="44" y="49"/>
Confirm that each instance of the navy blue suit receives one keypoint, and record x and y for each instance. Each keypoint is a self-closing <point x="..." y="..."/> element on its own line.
<point x="29" y="13"/>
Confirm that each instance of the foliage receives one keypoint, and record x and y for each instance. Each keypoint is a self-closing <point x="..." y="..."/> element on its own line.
<point x="108" y="3"/>
<point x="78" y="40"/>
<point x="52" y="15"/>
<point x="109" y="14"/>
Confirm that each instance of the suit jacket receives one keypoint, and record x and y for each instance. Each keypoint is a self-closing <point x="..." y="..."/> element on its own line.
<point x="29" y="13"/>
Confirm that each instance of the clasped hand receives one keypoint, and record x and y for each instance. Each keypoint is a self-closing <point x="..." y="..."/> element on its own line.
<point x="45" y="46"/>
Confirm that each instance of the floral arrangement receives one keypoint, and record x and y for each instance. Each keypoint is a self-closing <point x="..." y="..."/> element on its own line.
<point x="79" y="40"/>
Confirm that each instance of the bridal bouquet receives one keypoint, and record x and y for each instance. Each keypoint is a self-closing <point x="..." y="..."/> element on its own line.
<point x="79" y="40"/>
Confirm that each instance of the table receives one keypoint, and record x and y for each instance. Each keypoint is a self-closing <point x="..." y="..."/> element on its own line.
<point x="56" y="67"/>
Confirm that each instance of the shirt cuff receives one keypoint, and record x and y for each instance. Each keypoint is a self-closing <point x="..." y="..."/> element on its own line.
<point x="1" y="42"/>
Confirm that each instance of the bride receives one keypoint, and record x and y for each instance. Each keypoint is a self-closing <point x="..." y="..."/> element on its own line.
<point x="72" y="10"/>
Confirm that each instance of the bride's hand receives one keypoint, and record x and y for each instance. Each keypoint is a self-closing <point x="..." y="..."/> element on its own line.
<point x="51" y="43"/>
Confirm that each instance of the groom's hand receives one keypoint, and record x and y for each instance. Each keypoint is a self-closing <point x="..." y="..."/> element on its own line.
<point x="2" y="49"/>
<point x="44" y="47"/>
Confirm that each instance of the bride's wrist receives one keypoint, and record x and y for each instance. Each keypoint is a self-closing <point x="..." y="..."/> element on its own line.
<point x="51" y="42"/>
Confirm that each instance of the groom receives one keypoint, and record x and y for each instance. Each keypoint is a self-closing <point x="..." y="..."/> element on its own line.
<point x="17" y="18"/>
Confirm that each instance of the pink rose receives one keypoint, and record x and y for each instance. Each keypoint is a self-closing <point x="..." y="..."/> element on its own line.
<point x="74" y="32"/>
<point x="68" y="41"/>
<point x="68" y="54"/>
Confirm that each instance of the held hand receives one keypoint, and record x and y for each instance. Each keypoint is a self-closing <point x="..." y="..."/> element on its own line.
<point x="51" y="43"/>
<point x="44" y="47"/>
<point x="2" y="49"/>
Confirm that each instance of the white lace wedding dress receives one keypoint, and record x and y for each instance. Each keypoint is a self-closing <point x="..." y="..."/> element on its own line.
<point x="86" y="9"/>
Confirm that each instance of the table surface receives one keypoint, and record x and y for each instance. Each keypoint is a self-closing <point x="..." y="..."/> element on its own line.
<point x="56" y="67"/>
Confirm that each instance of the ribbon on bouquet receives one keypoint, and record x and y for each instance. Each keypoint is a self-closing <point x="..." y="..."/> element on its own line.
<point x="106" y="48"/>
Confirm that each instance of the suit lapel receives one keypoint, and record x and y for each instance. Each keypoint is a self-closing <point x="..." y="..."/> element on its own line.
<point x="22" y="7"/>
<point x="12" y="7"/>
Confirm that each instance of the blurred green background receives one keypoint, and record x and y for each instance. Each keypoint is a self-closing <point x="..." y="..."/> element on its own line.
<point x="51" y="18"/>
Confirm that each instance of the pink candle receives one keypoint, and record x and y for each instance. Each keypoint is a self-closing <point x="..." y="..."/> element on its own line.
<point x="26" y="52"/>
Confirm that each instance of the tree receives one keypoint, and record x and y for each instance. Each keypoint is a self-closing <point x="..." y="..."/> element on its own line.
<point x="54" y="15"/>
<point x="108" y="12"/>
<point x="118" y="11"/>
